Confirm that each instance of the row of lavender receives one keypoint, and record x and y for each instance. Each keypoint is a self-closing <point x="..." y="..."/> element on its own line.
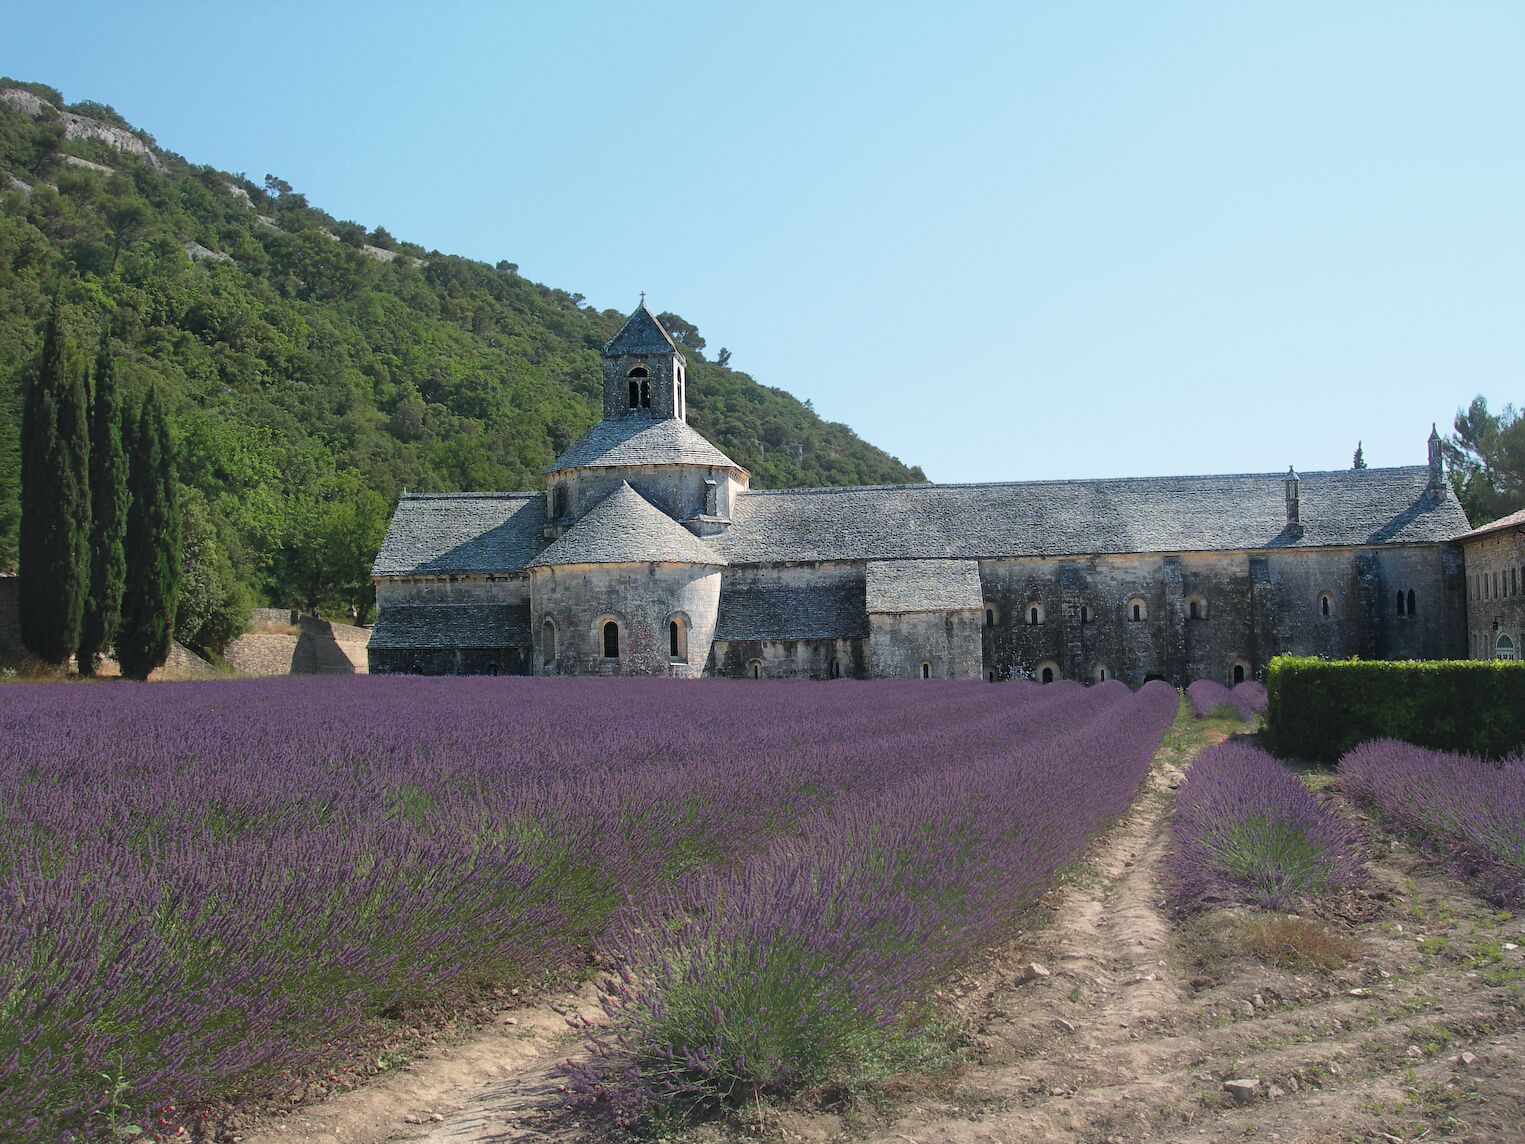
<point x="204" y="886"/>
<point x="1247" y="829"/>
<point x="1244" y="700"/>
<point x="1466" y="811"/>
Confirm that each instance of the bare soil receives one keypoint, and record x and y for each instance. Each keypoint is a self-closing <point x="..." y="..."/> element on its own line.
<point x="1131" y="1035"/>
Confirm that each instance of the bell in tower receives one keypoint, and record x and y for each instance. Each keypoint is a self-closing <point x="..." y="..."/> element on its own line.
<point x="643" y="371"/>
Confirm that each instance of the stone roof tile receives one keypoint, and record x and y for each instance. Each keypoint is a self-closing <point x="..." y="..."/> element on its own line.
<point x="626" y="528"/>
<point x="641" y="334"/>
<point x="637" y="439"/>
<point x="1066" y="518"/>
<point x="1513" y="520"/>
<point x="831" y="610"/>
<point x="435" y="534"/>
<point x="474" y="625"/>
<point x="923" y="585"/>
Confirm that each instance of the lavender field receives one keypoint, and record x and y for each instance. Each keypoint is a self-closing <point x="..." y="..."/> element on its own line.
<point x="1469" y="812"/>
<point x="204" y="887"/>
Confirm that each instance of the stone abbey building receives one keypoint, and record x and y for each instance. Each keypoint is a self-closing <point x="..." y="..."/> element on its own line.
<point x="647" y="554"/>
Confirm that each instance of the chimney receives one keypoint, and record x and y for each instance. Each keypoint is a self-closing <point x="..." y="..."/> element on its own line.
<point x="1294" y="512"/>
<point x="1437" y="468"/>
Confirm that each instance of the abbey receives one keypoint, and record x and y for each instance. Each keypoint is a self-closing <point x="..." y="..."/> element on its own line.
<point x="648" y="554"/>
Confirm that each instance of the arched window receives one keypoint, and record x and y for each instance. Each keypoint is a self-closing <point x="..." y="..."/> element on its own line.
<point x="1326" y="603"/>
<point x="1400" y="602"/>
<point x="1503" y="648"/>
<point x="926" y="670"/>
<point x="548" y="642"/>
<point x="1412" y="610"/>
<point x="1046" y="672"/>
<point x="1103" y="673"/>
<point x="1196" y="607"/>
<point x="1034" y="613"/>
<point x="989" y="615"/>
<point x="1085" y="613"/>
<point x="491" y="669"/>
<point x="1237" y="674"/>
<point x="635" y="395"/>
<point x="677" y="639"/>
<point x="836" y="668"/>
<point x="1138" y="610"/>
<point x="755" y="668"/>
<point x="611" y="640"/>
<point x="1046" y="675"/>
<point x="639" y="371"/>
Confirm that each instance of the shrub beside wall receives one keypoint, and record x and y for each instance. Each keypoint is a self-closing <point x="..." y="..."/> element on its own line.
<point x="1319" y="709"/>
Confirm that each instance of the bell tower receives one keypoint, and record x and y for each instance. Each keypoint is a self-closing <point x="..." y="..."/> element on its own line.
<point x="644" y="374"/>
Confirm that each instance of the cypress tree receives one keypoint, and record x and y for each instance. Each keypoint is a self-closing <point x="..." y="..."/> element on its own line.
<point x="152" y="544"/>
<point x="108" y="515"/>
<point x="55" y="501"/>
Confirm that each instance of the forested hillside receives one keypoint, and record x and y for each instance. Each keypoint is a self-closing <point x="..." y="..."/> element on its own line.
<point x="314" y="368"/>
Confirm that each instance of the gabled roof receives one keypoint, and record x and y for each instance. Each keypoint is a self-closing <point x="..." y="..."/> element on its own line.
<point x="1345" y="508"/>
<point x="473" y="625"/>
<point x="642" y="334"/>
<point x="829" y="610"/>
<point x="626" y="528"/>
<point x="635" y="439"/>
<point x="435" y="534"/>
<point x="1513" y="520"/>
<point x="922" y="585"/>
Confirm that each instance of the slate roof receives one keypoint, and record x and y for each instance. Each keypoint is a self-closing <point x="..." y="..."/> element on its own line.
<point x="1069" y="518"/>
<point x="641" y="334"/>
<point x="1513" y="520"/>
<point x="922" y="585"/>
<point x="776" y="612"/>
<point x="475" y="625"/>
<point x="626" y="528"/>
<point x="435" y="534"/>
<point x="637" y="439"/>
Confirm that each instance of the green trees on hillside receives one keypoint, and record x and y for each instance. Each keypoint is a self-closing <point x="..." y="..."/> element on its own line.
<point x="108" y="514"/>
<point x="55" y="505"/>
<point x="308" y="379"/>
<point x="152" y="544"/>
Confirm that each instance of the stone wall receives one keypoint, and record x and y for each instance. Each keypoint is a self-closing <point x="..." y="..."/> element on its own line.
<point x="641" y="598"/>
<point x="1249" y="607"/>
<point x="789" y="659"/>
<point x="934" y="645"/>
<point x="450" y="661"/>
<point x="318" y="648"/>
<point x="1495" y="579"/>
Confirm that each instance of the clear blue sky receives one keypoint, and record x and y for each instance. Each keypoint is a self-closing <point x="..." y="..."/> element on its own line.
<point x="1002" y="241"/>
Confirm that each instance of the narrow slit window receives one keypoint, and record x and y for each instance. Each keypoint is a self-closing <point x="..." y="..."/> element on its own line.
<point x="926" y="670"/>
<point x="672" y="638"/>
<point x="1400" y="602"/>
<point x="1411" y="602"/>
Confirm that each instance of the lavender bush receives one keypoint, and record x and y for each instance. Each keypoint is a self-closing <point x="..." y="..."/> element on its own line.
<point x="205" y="886"/>
<point x="1244" y="700"/>
<point x="1468" y="811"/>
<point x="1246" y="829"/>
<point x="810" y="956"/>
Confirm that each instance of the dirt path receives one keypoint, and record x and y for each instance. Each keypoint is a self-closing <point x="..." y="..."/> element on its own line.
<point x="1129" y="1036"/>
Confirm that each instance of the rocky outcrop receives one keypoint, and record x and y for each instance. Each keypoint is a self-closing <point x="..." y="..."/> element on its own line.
<point x="79" y="126"/>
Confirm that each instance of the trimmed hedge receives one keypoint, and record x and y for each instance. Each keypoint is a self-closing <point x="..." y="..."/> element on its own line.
<point x="1319" y="709"/>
